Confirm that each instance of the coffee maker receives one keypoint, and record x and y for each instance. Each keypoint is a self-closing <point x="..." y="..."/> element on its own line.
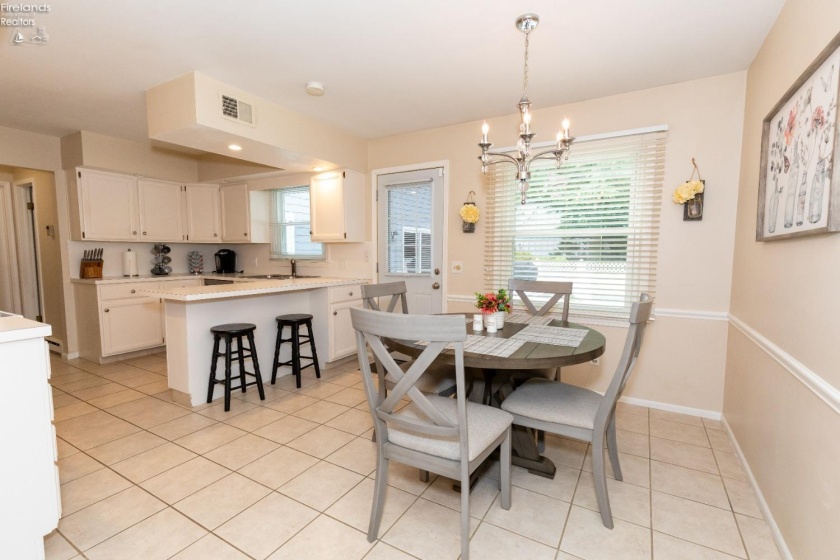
<point x="225" y="261"/>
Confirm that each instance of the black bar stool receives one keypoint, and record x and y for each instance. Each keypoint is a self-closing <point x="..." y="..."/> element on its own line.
<point x="231" y="332"/>
<point x="294" y="322"/>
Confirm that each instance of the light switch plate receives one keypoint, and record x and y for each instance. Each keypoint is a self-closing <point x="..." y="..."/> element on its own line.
<point x="457" y="267"/>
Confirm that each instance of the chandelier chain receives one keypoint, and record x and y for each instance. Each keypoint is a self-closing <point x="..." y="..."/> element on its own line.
<point x="525" y="77"/>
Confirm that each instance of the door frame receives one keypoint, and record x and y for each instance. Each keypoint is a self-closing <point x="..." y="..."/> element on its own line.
<point x="9" y="239"/>
<point x="374" y="222"/>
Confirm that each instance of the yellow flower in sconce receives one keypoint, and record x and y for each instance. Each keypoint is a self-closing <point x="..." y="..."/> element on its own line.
<point x="687" y="191"/>
<point x="469" y="213"/>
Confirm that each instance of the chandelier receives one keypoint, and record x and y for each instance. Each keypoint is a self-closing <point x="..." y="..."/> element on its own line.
<point x="524" y="157"/>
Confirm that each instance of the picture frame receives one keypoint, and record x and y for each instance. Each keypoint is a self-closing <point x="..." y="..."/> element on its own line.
<point x="799" y="190"/>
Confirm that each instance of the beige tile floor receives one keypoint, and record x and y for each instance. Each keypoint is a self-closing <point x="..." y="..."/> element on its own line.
<point x="292" y="477"/>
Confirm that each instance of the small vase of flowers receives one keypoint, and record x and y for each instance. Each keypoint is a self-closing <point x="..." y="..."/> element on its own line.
<point x="494" y="304"/>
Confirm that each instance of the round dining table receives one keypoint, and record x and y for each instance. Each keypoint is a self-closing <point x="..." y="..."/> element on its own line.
<point x="529" y="356"/>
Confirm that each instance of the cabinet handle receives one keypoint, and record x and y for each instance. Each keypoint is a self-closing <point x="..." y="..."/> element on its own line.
<point x="334" y="312"/>
<point x="133" y="233"/>
<point x="245" y="234"/>
<point x="144" y="233"/>
<point x="215" y="235"/>
<point x="351" y="293"/>
<point x="132" y="291"/>
<point x="107" y="310"/>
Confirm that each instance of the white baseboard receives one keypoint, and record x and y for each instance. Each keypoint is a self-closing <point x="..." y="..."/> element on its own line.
<point x="710" y="414"/>
<point x="70" y="356"/>
<point x="762" y="503"/>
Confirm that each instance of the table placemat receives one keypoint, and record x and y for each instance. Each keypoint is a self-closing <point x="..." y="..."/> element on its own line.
<point x="487" y="345"/>
<point x="527" y="318"/>
<point x="558" y="336"/>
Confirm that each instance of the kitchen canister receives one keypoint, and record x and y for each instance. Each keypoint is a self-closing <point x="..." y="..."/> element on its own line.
<point x="129" y="263"/>
<point x="478" y="322"/>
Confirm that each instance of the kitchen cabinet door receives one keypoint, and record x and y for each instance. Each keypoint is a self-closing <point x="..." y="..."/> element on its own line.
<point x="131" y="324"/>
<point x="342" y="335"/>
<point x="108" y="203"/>
<point x="337" y="207"/>
<point x="236" y="219"/>
<point x="203" y="214"/>
<point x="160" y="211"/>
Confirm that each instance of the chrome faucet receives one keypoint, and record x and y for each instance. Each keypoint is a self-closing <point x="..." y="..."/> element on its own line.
<point x="294" y="268"/>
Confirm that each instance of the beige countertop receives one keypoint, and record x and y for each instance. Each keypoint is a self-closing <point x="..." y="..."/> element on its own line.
<point x="251" y="287"/>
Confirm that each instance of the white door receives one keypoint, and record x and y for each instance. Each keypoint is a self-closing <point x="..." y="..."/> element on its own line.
<point x="160" y="210"/>
<point x="410" y="218"/>
<point x="27" y="251"/>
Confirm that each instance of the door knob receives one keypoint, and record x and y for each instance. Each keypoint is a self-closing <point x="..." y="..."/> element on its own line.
<point x="436" y="286"/>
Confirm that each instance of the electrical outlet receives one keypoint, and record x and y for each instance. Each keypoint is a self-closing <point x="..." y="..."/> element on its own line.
<point x="457" y="267"/>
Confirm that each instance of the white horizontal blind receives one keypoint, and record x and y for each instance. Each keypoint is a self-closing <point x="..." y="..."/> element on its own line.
<point x="409" y="228"/>
<point x="594" y="221"/>
<point x="289" y="225"/>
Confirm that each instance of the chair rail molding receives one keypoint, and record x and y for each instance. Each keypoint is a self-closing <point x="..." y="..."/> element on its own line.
<point x="819" y="386"/>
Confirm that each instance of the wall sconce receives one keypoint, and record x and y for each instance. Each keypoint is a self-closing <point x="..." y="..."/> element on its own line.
<point x="691" y="195"/>
<point x="469" y="214"/>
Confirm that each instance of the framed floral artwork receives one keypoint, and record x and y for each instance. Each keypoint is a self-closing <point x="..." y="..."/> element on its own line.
<point x="798" y="192"/>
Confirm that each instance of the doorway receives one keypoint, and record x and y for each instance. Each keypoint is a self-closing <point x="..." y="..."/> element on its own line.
<point x="410" y="210"/>
<point x="21" y="284"/>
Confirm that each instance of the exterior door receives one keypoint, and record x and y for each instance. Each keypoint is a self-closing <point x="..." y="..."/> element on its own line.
<point x="410" y="218"/>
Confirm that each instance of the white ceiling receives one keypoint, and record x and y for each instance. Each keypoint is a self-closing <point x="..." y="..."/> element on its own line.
<point x="389" y="66"/>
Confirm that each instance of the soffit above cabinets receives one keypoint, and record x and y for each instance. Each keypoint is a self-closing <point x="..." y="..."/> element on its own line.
<point x="198" y="112"/>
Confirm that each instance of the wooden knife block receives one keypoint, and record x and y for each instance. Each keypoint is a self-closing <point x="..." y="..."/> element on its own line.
<point x="90" y="269"/>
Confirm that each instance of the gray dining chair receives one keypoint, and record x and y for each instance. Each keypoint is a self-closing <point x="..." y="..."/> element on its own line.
<point x="439" y="378"/>
<point x="575" y="412"/>
<point x="447" y="436"/>
<point x="557" y="290"/>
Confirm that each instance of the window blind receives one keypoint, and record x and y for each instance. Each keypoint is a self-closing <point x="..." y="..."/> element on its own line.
<point x="594" y="221"/>
<point x="289" y="225"/>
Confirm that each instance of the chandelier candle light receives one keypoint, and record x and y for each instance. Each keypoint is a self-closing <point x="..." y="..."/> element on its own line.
<point x="525" y="23"/>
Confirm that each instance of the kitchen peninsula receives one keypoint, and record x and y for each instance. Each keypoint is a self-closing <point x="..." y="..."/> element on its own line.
<point x="191" y="311"/>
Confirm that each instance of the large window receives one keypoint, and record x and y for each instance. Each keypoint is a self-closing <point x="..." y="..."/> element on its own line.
<point x="290" y="225"/>
<point x="594" y="221"/>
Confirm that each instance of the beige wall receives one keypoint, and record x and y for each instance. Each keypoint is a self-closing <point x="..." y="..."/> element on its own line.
<point x="695" y="258"/>
<point x="786" y="291"/>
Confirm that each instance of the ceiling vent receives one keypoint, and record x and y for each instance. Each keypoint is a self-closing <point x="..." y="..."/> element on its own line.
<point x="237" y="110"/>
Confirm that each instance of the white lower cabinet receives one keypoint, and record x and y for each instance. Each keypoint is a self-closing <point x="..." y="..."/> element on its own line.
<point x="342" y="335"/>
<point x="131" y="324"/>
<point x="116" y="318"/>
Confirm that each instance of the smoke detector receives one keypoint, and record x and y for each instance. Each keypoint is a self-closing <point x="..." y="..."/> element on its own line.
<point x="315" y="88"/>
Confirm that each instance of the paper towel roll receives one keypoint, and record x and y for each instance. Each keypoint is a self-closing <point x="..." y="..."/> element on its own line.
<point x="129" y="263"/>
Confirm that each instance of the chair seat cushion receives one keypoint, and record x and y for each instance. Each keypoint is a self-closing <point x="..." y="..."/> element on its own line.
<point x="484" y="425"/>
<point x="556" y="402"/>
<point x="437" y="379"/>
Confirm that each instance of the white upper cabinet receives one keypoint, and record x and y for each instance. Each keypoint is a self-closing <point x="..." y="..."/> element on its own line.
<point x="161" y="216"/>
<point x="236" y="219"/>
<point x="337" y="207"/>
<point x="108" y="206"/>
<point x="202" y="214"/>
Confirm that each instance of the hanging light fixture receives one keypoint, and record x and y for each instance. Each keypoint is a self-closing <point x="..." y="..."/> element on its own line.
<point x="525" y="23"/>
